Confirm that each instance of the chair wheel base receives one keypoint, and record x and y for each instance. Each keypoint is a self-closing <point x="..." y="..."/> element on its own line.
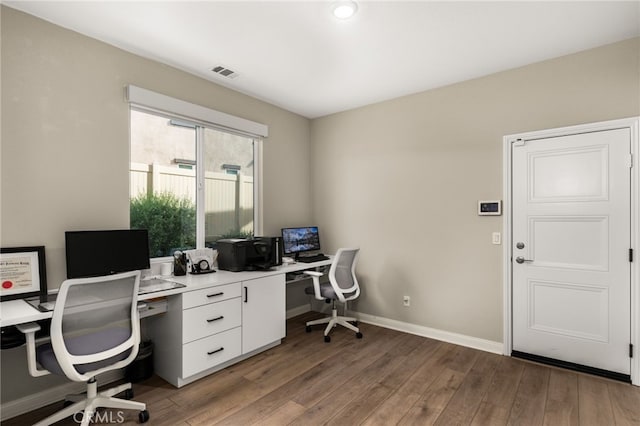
<point x="327" y="339"/>
<point x="359" y="335"/>
<point x="143" y="416"/>
<point x="128" y="394"/>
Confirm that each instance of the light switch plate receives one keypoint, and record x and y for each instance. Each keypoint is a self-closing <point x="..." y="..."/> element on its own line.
<point x="496" y="238"/>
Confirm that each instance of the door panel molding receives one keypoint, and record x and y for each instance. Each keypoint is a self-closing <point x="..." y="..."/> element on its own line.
<point x="581" y="260"/>
<point x="632" y="124"/>
<point x="592" y="157"/>
<point x="562" y="293"/>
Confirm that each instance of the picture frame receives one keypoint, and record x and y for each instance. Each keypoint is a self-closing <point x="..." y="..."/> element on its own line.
<point x="23" y="272"/>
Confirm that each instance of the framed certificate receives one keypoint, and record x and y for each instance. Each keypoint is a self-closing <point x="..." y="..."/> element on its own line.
<point x="23" y="272"/>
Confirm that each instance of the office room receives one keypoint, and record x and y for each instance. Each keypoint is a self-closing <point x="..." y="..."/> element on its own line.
<point x="393" y="164"/>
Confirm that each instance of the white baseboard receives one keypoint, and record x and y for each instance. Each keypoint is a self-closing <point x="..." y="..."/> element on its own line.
<point x="49" y="396"/>
<point x="432" y="333"/>
<point x="298" y="310"/>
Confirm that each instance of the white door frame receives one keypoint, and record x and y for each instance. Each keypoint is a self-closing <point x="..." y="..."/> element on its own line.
<point x="631" y="123"/>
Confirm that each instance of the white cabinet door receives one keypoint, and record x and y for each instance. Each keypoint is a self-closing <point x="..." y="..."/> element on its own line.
<point x="263" y="312"/>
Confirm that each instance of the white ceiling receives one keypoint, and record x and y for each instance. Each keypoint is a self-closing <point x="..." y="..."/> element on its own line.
<point x="296" y="55"/>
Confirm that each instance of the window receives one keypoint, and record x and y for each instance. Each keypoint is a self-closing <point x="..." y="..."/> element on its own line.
<point x="191" y="182"/>
<point x="228" y="197"/>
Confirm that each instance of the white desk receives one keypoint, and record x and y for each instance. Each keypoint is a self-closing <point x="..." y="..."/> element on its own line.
<point x="14" y="312"/>
<point x="253" y="306"/>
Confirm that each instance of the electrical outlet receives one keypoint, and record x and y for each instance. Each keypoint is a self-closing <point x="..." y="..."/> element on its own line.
<point x="406" y="301"/>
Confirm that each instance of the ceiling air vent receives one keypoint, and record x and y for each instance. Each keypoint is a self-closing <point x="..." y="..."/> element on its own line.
<point x="225" y="72"/>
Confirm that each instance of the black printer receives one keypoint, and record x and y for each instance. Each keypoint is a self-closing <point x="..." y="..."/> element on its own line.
<point x="249" y="254"/>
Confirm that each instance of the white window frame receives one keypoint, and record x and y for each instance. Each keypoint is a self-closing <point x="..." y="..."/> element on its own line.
<point x="156" y="103"/>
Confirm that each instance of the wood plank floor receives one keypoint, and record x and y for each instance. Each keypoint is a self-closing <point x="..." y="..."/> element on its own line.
<point x="386" y="378"/>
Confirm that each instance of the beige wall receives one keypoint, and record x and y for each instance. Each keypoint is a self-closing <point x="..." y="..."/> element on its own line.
<point x="401" y="180"/>
<point x="65" y="136"/>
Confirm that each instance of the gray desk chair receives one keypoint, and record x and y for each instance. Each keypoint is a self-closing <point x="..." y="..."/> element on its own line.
<point x="342" y="286"/>
<point x="95" y="328"/>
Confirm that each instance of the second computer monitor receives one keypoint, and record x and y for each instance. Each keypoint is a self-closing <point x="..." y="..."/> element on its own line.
<point x="299" y="240"/>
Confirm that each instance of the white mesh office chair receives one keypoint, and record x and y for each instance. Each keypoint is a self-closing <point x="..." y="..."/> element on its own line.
<point x="342" y="286"/>
<point x="95" y="328"/>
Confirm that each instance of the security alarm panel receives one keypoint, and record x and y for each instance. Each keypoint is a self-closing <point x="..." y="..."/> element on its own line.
<point x="490" y="208"/>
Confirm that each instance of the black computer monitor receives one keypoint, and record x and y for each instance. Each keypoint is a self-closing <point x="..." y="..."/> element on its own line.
<point x="299" y="240"/>
<point x="96" y="253"/>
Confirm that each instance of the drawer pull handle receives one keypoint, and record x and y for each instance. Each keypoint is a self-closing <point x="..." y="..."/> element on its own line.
<point x="216" y="351"/>
<point x="216" y="294"/>
<point x="215" y="319"/>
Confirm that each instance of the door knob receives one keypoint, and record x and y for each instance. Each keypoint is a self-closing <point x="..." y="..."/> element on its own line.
<point x="519" y="245"/>
<point x="521" y="259"/>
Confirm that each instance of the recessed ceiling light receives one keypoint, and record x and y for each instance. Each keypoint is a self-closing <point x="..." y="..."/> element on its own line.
<point x="344" y="9"/>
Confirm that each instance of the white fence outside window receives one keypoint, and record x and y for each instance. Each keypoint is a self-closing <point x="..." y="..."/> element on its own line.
<point x="228" y="198"/>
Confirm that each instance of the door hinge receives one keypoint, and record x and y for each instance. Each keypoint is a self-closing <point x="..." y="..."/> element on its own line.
<point x="630" y="350"/>
<point x="630" y="255"/>
<point x="630" y="161"/>
<point x="518" y="142"/>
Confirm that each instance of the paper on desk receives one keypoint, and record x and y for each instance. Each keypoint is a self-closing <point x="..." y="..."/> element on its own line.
<point x="196" y="255"/>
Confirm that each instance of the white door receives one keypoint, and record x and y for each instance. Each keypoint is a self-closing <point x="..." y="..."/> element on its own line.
<point x="571" y="239"/>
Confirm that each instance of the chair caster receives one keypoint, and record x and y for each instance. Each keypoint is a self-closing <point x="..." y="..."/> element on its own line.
<point x="128" y="394"/>
<point x="327" y="339"/>
<point x="143" y="416"/>
<point x="359" y="335"/>
<point x="308" y="329"/>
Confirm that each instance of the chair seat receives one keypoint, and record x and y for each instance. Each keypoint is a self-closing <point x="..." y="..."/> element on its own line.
<point x="327" y="291"/>
<point x="85" y="345"/>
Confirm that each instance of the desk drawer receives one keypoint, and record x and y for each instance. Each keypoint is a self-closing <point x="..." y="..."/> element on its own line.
<point x="206" y="320"/>
<point x="191" y="299"/>
<point x="208" y="352"/>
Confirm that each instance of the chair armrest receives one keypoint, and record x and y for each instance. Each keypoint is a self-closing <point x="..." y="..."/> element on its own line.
<point x="315" y="276"/>
<point x="29" y="329"/>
